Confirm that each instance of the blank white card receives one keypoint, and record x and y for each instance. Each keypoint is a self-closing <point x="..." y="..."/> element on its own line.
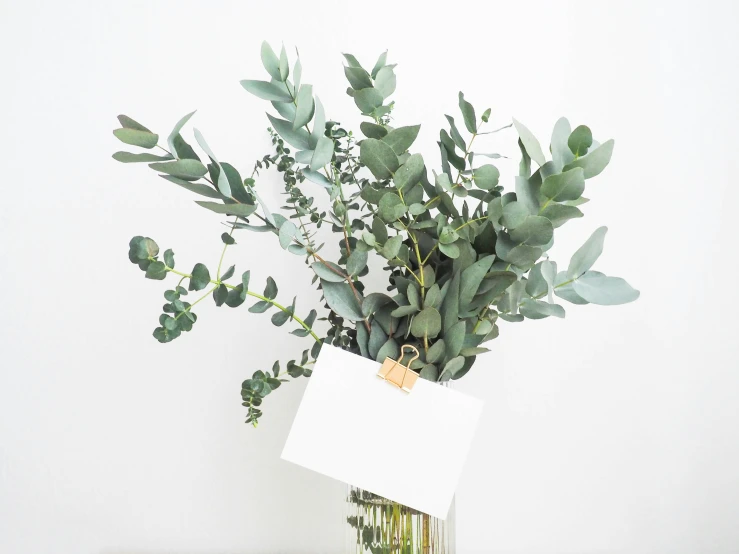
<point x="357" y="428"/>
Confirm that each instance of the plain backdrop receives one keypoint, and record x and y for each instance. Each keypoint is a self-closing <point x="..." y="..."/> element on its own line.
<point x="611" y="431"/>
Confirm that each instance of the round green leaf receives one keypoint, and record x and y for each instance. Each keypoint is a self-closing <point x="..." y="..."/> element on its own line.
<point x="426" y="323"/>
<point x="486" y="177"/>
<point x="580" y="140"/>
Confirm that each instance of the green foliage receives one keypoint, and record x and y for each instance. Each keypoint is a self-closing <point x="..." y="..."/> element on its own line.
<point x="461" y="252"/>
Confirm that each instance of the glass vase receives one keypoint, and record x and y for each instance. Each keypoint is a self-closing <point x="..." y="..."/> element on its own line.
<point x="376" y="525"/>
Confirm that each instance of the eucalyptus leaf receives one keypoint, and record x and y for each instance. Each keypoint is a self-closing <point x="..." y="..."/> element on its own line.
<point x="585" y="256"/>
<point x="530" y="143"/>
<point x="342" y="300"/>
<point x="379" y="158"/>
<point x="595" y="161"/>
<point x="267" y="90"/>
<point x="604" y="290"/>
<point x="402" y="138"/>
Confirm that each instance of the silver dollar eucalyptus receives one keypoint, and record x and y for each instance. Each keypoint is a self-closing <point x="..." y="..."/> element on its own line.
<point x="462" y="253"/>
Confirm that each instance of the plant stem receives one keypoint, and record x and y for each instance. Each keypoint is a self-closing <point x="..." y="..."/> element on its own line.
<point x="255" y="295"/>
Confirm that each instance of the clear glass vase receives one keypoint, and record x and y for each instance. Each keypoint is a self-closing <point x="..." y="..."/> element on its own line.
<point x="376" y="525"/>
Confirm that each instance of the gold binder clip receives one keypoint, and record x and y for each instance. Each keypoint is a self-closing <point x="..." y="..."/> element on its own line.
<point x="398" y="374"/>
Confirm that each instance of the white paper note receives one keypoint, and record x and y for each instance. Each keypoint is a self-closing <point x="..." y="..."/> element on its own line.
<point x="407" y="447"/>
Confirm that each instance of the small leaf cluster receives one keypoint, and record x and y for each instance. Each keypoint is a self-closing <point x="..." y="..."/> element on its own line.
<point x="462" y="252"/>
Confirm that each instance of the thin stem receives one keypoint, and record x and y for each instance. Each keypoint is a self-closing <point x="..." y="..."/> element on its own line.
<point x="225" y="245"/>
<point x="190" y="307"/>
<point x="302" y="323"/>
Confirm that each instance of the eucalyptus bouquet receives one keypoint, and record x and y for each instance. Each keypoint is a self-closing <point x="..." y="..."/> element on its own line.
<point x="461" y="253"/>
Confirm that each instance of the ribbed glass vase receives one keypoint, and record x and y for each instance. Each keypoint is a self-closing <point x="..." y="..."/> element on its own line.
<point x="376" y="525"/>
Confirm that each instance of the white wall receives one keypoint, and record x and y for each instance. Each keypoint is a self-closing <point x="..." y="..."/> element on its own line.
<point x="614" y="430"/>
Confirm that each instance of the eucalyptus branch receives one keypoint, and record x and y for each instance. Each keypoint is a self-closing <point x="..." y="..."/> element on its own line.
<point x="461" y="256"/>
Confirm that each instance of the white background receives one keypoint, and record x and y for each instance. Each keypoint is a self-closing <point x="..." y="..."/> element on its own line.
<point x="614" y="430"/>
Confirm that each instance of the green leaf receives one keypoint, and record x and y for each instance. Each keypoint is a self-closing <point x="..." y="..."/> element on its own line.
<point x="135" y="137"/>
<point x="358" y="78"/>
<point x="379" y="64"/>
<point x="385" y="81"/>
<point x="128" y="123"/>
<point x="318" y="178"/>
<point x="486" y="115"/>
<point x="471" y="279"/>
<point x="280" y="318"/>
<point x="297" y="73"/>
<point x="448" y="235"/>
<point x="514" y="214"/>
<point x="402" y="138"/>
<point x="243" y="210"/>
<point x="524" y="256"/>
<point x="495" y="283"/>
<point x="284" y="67"/>
<point x="564" y="186"/>
<point x="128" y="157"/>
<point x="468" y="113"/>
<point x="266" y="90"/>
<point x="587" y="254"/>
<point x="410" y="173"/>
<point x="270" y="290"/>
<point x="450" y="250"/>
<point x="270" y="62"/>
<point x="323" y="153"/>
<point x="453" y="365"/>
<point x="454" y="133"/>
<point x="335" y="274"/>
<point x="299" y="138"/>
<point x="580" y="140"/>
<point x="426" y="323"/>
<point x="486" y="176"/>
<point x="176" y="133"/>
<point x="236" y="297"/>
<point x="357" y="262"/>
<point x="229" y="273"/>
<point x="223" y="185"/>
<point x="183" y="150"/>
<point x="287" y="233"/>
<point x="388" y="350"/>
<point x="559" y="214"/>
<point x="561" y="154"/>
<point x="392" y="247"/>
<point x="227" y="239"/>
<point x="368" y="100"/>
<point x="319" y="123"/>
<point x="220" y="294"/>
<point x="169" y="258"/>
<point x="373" y="302"/>
<point x="436" y="352"/>
<point x="341" y="299"/>
<point x="200" y="277"/>
<point x="594" y="161"/>
<point x="391" y="207"/>
<point x="566" y="291"/>
<point x="185" y="169"/>
<point x="156" y="270"/>
<point x="373" y="130"/>
<point x="527" y="194"/>
<point x="530" y="143"/>
<point x="260" y="307"/>
<point x="534" y="231"/>
<point x="245" y="283"/>
<point x="379" y="158"/>
<point x="429" y="372"/>
<point x="305" y="108"/>
<point x="603" y="290"/>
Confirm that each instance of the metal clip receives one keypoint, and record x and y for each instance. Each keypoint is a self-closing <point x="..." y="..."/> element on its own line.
<point x="398" y="374"/>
